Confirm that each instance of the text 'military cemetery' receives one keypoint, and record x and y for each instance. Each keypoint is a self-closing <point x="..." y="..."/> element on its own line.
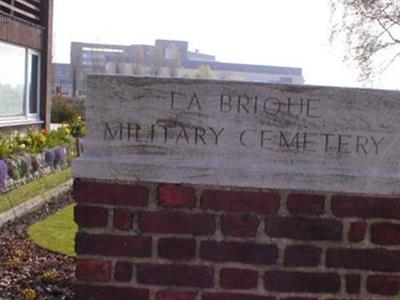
<point x="242" y="134"/>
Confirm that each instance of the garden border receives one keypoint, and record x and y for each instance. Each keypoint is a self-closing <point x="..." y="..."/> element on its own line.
<point x="34" y="203"/>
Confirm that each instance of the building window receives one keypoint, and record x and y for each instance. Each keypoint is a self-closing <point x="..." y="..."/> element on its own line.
<point x="19" y="84"/>
<point x="33" y="78"/>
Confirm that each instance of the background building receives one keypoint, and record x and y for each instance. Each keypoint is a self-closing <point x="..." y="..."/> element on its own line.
<point x="25" y="63"/>
<point x="62" y="80"/>
<point x="166" y="58"/>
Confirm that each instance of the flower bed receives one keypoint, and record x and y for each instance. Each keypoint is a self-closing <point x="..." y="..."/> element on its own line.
<point x="26" y="157"/>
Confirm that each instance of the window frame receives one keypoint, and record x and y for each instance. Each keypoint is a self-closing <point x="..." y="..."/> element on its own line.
<point x="26" y="118"/>
<point x="28" y="62"/>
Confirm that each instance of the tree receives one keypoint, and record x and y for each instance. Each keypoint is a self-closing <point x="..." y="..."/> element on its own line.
<point x="138" y="61"/>
<point x="97" y="61"/>
<point x="173" y="58"/>
<point x="75" y="71"/>
<point x="157" y="62"/>
<point x="204" y="72"/>
<point x="233" y="77"/>
<point x="371" y="32"/>
<point x="119" y="65"/>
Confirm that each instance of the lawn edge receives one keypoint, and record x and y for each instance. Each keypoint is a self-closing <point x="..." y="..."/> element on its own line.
<point x="34" y="203"/>
<point x="45" y="247"/>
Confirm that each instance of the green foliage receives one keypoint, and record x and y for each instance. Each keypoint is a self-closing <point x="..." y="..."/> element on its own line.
<point x="32" y="189"/>
<point x="35" y="142"/>
<point x="23" y="167"/>
<point x="26" y="154"/>
<point x="188" y="74"/>
<point x="56" y="233"/>
<point x="77" y="127"/>
<point x="204" y="72"/>
<point x="64" y="110"/>
<point x="61" y="136"/>
<point x="8" y="145"/>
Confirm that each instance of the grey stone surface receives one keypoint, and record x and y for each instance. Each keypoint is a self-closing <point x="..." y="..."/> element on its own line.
<point x="242" y="134"/>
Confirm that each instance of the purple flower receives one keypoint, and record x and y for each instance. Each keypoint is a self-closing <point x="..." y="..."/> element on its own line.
<point x="60" y="155"/>
<point x="3" y="174"/>
<point x="49" y="157"/>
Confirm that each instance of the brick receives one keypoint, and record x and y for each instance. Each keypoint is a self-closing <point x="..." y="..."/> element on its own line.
<point x="364" y="259"/>
<point x="175" y="196"/>
<point x="385" y="285"/>
<point x="113" y="245"/>
<point x="177" y="222"/>
<point x="366" y="207"/>
<point x="357" y="232"/>
<point x="229" y="296"/>
<point x="90" y="216"/>
<point x="180" y="275"/>
<point x="241" y="226"/>
<point x="175" y="295"/>
<point x="304" y="229"/>
<point x="85" y="292"/>
<point x="123" y="219"/>
<point x="123" y="271"/>
<point x="176" y="249"/>
<point x="297" y="256"/>
<point x="302" y="282"/>
<point x="110" y="193"/>
<point x="244" y="252"/>
<point x="353" y="283"/>
<point x="231" y="278"/>
<point x="302" y="204"/>
<point x="241" y="202"/>
<point x="299" y="298"/>
<point x="93" y="270"/>
<point x="385" y="233"/>
<point x="344" y="299"/>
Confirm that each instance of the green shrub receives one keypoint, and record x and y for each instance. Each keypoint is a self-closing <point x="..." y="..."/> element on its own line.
<point x="64" y="110"/>
<point x="78" y="128"/>
<point x="61" y="136"/>
<point x="8" y="145"/>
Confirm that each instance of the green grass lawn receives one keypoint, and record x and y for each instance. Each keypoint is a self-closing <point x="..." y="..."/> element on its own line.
<point x="57" y="232"/>
<point x="33" y="189"/>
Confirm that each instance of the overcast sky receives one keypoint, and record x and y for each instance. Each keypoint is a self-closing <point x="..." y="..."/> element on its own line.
<point x="275" y="32"/>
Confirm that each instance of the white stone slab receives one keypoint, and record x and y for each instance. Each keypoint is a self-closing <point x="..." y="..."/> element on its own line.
<point x="242" y="134"/>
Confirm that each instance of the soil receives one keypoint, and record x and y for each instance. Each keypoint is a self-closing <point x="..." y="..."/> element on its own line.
<point x="28" y="272"/>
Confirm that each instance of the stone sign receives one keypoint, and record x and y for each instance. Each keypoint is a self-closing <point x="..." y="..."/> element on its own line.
<point x="242" y="134"/>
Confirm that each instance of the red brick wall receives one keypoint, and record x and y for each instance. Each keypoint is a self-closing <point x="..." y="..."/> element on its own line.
<point x="173" y="242"/>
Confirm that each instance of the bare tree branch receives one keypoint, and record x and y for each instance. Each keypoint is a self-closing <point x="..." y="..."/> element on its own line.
<point x="370" y="31"/>
<point x="387" y="30"/>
